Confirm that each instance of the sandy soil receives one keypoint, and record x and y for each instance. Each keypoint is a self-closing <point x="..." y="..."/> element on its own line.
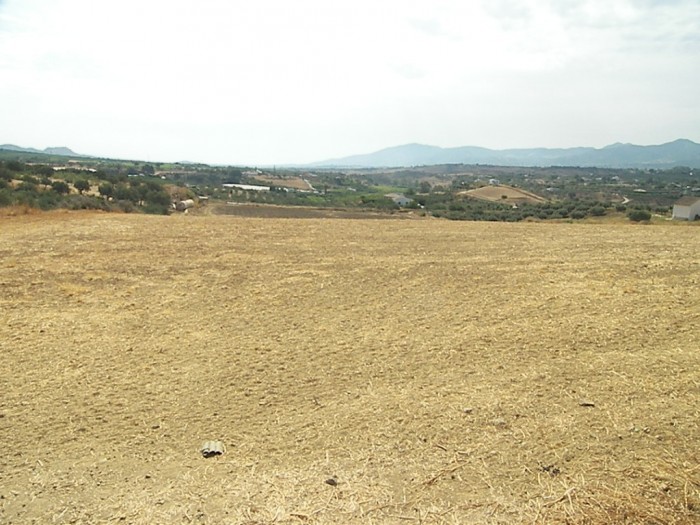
<point x="267" y="211"/>
<point x="496" y="193"/>
<point x="297" y="183"/>
<point x="357" y="371"/>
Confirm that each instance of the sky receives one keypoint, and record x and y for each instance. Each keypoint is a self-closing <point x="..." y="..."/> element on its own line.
<point x="262" y="82"/>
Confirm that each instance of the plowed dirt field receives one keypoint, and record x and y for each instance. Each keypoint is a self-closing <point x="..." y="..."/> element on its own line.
<point x="357" y="371"/>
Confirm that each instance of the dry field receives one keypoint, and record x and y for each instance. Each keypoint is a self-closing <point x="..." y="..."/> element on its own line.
<point x="297" y="183"/>
<point x="497" y="193"/>
<point x="357" y="371"/>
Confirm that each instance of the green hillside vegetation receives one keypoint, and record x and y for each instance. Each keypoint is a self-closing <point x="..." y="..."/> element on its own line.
<point x="40" y="186"/>
<point x="444" y="191"/>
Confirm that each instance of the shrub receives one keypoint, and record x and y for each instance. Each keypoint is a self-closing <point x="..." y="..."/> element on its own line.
<point x="639" y="215"/>
<point x="156" y="209"/>
<point x="60" y="187"/>
<point x="48" y="200"/>
<point x="597" y="211"/>
<point x="5" y="197"/>
<point x="82" y="202"/>
<point x="106" y="189"/>
<point x="125" y="205"/>
<point x="81" y="185"/>
<point x="27" y="186"/>
<point x="14" y="165"/>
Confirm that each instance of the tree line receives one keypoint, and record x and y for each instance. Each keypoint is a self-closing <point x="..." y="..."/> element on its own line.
<point x="40" y="186"/>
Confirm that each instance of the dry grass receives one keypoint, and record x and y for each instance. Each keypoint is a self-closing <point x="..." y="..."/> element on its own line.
<point x="440" y="372"/>
<point x="506" y="194"/>
<point x="297" y="183"/>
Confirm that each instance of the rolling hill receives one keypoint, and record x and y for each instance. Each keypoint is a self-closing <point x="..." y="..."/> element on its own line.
<point x="58" y="150"/>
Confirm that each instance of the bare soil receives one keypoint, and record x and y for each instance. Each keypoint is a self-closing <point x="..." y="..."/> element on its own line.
<point x="506" y="194"/>
<point x="270" y="211"/>
<point x="357" y="371"/>
<point x="296" y="183"/>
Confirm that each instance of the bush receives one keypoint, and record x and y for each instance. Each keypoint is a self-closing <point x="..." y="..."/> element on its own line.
<point x="106" y="189"/>
<point x="5" y="197"/>
<point x="27" y="186"/>
<point x="639" y="215"/>
<point x="14" y="165"/>
<point x="82" y="202"/>
<point x="43" y="170"/>
<point x="597" y="211"/>
<point x="48" y="200"/>
<point x="156" y="209"/>
<point x="81" y="185"/>
<point x="125" y="205"/>
<point x="60" y="187"/>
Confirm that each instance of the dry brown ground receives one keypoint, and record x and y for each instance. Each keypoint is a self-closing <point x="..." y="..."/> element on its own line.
<point x="496" y="193"/>
<point x="267" y="211"/>
<point x="284" y="182"/>
<point x="441" y="372"/>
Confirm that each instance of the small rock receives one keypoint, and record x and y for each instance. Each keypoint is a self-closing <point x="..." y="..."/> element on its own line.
<point x="585" y="403"/>
<point x="332" y="482"/>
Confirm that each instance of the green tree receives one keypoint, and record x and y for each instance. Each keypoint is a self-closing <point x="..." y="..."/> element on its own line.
<point x="106" y="189"/>
<point x="27" y="186"/>
<point x="14" y="165"/>
<point x="122" y="192"/>
<point x="60" y="187"/>
<point x="43" y="169"/>
<point x="81" y="185"/>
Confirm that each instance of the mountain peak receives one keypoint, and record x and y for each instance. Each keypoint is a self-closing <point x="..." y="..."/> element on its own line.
<point x="57" y="150"/>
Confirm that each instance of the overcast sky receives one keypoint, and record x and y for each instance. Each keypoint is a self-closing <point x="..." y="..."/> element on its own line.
<point x="292" y="81"/>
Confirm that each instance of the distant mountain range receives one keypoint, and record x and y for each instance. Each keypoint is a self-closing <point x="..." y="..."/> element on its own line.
<point x="60" y="150"/>
<point x="681" y="152"/>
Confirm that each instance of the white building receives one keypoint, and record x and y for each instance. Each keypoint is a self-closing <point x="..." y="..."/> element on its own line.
<point x="248" y="187"/>
<point x="687" y="208"/>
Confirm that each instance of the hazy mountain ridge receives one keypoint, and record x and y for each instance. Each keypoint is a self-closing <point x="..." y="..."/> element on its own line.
<point x="58" y="150"/>
<point x="681" y="152"/>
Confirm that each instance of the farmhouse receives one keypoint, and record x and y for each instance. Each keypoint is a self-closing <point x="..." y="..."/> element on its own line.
<point x="247" y="187"/>
<point x="399" y="199"/>
<point x="687" y="208"/>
